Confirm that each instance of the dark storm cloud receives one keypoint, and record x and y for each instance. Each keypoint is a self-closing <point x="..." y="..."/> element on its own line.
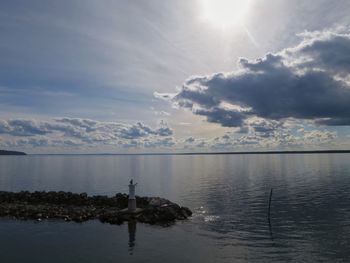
<point x="330" y="51"/>
<point x="334" y="121"/>
<point x="227" y="118"/>
<point x="309" y="81"/>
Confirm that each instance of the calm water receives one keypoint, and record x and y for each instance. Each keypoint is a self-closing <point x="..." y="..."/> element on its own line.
<point x="310" y="215"/>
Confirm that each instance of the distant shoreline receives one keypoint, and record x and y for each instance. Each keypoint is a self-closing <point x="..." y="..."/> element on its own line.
<point x="3" y="152"/>
<point x="209" y="153"/>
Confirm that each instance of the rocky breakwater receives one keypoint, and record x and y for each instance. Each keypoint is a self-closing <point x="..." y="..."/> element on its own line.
<point x="81" y="207"/>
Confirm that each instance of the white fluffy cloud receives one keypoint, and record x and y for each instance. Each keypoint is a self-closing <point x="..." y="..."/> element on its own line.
<point x="83" y="134"/>
<point x="71" y="132"/>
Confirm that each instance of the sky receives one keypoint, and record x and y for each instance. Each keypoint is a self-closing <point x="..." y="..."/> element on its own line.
<point x="103" y="76"/>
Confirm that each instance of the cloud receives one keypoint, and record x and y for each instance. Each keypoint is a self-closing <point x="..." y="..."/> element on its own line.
<point x="82" y="134"/>
<point x="162" y="113"/>
<point x="226" y="117"/>
<point x="71" y="132"/>
<point x="316" y="136"/>
<point x="282" y="138"/>
<point x="264" y="127"/>
<point x="22" y="128"/>
<point x="327" y="50"/>
<point x="164" y="96"/>
<point x="190" y="140"/>
<point x="307" y="82"/>
<point x="160" y="143"/>
<point x="141" y="130"/>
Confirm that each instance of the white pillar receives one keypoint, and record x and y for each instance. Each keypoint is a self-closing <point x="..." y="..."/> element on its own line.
<point x="132" y="198"/>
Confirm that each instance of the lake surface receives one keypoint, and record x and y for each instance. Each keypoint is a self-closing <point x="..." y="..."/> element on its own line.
<point x="310" y="210"/>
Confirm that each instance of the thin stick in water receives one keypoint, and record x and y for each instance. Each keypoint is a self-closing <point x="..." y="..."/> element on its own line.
<point x="268" y="213"/>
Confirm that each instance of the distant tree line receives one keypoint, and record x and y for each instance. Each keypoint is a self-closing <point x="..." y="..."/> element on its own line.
<point x="3" y="152"/>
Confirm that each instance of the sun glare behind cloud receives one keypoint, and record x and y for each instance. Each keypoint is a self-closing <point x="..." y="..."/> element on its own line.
<point x="224" y="13"/>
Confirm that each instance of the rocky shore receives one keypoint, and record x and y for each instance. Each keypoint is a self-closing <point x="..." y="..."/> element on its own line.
<point x="81" y="207"/>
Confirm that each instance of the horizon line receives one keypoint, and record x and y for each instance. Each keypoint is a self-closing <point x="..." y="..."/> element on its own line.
<point x="208" y="153"/>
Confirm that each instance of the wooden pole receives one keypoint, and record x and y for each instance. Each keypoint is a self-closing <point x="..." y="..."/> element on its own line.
<point x="268" y="213"/>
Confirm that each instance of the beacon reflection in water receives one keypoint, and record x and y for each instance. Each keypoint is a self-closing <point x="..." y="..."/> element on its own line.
<point x="132" y="235"/>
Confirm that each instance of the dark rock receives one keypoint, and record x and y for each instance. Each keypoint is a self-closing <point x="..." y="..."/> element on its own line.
<point x="69" y="206"/>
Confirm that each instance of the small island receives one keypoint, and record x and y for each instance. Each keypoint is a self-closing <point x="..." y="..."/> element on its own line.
<point x="75" y="207"/>
<point x="3" y="152"/>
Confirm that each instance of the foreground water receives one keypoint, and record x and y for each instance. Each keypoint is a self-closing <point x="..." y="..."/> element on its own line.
<point x="310" y="214"/>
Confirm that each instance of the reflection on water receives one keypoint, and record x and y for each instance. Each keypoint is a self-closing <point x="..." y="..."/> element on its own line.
<point x="229" y="194"/>
<point x="132" y="235"/>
